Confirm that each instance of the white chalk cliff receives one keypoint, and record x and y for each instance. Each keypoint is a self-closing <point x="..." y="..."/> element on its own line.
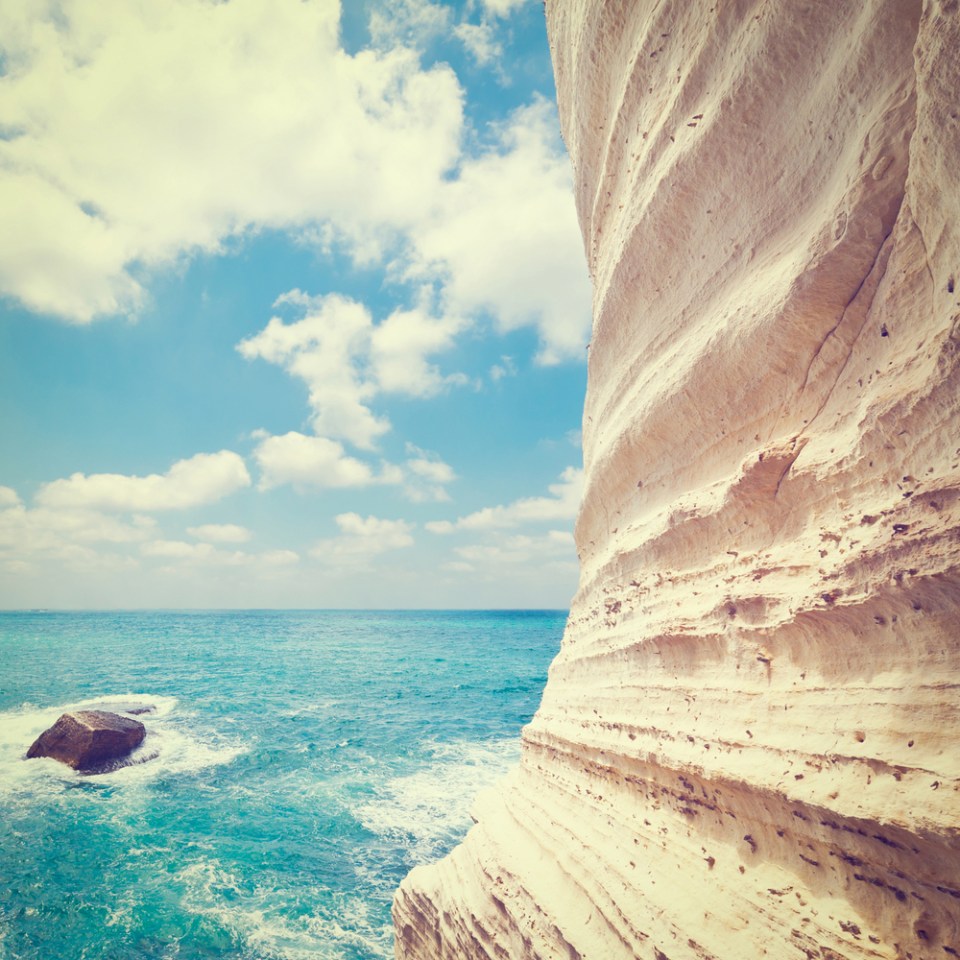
<point x="749" y="744"/>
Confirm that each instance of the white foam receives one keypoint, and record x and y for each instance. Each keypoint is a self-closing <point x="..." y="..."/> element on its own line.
<point x="173" y="745"/>
<point x="256" y="917"/>
<point x="428" y="811"/>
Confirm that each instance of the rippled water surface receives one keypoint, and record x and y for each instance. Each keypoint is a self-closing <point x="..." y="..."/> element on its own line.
<point x="303" y="762"/>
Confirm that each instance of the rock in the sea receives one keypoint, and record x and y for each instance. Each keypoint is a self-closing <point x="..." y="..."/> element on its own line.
<point x="90" y="741"/>
<point x="748" y="744"/>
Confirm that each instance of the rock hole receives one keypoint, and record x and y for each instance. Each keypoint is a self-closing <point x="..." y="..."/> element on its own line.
<point x="950" y="285"/>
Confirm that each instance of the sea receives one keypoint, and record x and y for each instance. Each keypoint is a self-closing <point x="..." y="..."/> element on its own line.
<point x="297" y="765"/>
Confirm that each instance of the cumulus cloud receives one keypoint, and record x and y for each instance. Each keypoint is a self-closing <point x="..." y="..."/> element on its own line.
<point x="346" y="360"/>
<point x="263" y="121"/>
<point x="521" y="549"/>
<point x="502" y="8"/>
<point x="506" y="368"/>
<point x="181" y="555"/>
<point x="43" y="529"/>
<point x="306" y="461"/>
<point x="520" y="554"/>
<point x="325" y="349"/>
<point x="181" y="550"/>
<point x="399" y="349"/>
<point x="562" y="504"/>
<point x="362" y="538"/>
<point x="434" y="470"/>
<point x="131" y="138"/>
<point x="203" y="478"/>
<point x="502" y="238"/>
<point x="480" y="42"/>
<point x="412" y="23"/>
<point x="220" y="533"/>
<point x="30" y="538"/>
<point x="426" y="476"/>
<point x="8" y="497"/>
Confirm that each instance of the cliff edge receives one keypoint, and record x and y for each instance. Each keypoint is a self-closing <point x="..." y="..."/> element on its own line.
<point x="748" y="744"/>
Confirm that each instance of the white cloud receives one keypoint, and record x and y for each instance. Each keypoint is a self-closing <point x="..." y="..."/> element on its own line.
<point x="46" y="530"/>
<point x="8" y="497"/>
<point x="313" y="462"/>
<point x="426" y="476"/>
<point x="319" y="462"/>
<point x="506" y="368"/>
<point x="263" y="121"/>
<point x="325" y="349"/>
<point x="562" y="504"/>
<point x="220" y="533"/>
<point x="31" y="539"/>
<point x="434" y="470"/>
<point x="203" y="478"/>
<point x="346" y="360"/>
<point x="400" y="347"/>
<point x="556" y="544"/>
<point x="503" y="238"/>
<point x="502" y="8"/>
<point x="184" y="556"/>
<point x="362" y="539"/>
<point x="479" y="40"/>
<point x="134" y="136"/>
<point x="517" y="558"/>
<point x="194" y="553"/>
<point x="181" y="550"/>
<point x="412" y="23"/>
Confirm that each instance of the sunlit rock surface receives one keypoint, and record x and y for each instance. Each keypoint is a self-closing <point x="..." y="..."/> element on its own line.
<point x="749" y="744"/>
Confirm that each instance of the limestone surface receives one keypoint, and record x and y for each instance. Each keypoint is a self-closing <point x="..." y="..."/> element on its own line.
<point x="749" y="744"/>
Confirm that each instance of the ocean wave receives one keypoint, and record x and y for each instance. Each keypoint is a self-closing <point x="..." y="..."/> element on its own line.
<point x="174" y="744"/>
<point x="262" y="917"/>
<point x="428" y="811"/>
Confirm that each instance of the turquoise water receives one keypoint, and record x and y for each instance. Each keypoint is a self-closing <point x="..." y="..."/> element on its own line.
<point x="302" y="763"/>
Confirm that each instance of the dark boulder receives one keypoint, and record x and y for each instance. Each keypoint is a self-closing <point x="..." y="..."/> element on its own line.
<point x="91" y="741"/>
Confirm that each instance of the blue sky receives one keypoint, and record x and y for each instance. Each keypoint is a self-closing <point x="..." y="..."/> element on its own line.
<point x="294" y="306"/>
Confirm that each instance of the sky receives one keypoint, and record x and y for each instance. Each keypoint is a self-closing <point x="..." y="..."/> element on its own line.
<point x="293" y="307"/>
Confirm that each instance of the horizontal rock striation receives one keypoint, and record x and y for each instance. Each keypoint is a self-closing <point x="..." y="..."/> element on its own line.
<point x="748" y="744"/>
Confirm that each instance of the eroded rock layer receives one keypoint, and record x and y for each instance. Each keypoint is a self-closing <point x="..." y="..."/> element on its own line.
<point x="748" y="744"/>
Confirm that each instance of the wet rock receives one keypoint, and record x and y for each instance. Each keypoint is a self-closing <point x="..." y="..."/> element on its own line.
<point x="90" y="741"/>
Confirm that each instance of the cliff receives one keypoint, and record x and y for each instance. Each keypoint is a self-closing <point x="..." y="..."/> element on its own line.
<point x="748" y="744"/>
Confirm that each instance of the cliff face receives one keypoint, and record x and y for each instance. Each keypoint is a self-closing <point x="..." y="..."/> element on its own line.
<point x="748" y="744"/>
